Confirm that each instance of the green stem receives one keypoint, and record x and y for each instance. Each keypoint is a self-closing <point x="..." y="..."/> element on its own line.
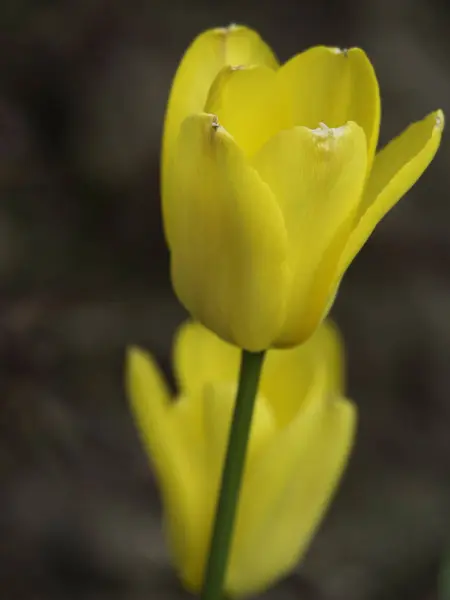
<point x="250" y="372"/>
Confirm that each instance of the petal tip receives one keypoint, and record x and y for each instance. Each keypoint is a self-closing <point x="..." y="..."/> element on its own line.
<point x="347" y="52"/>
<point x="343" y="51"/>
<point x="225" y="30"/>
<point x="205" y="125"/>
<point x="131" y="352"/>
<point x="135" y="357"/>
<point x="139" y="362"/>
<point x="440" y="120"/>
<point x="323" y="131"/>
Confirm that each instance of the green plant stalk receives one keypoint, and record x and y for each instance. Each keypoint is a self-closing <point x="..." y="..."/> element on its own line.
<point x="215" y="572"/>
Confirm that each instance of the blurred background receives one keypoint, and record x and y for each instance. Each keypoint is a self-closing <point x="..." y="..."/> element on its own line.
<point x="84" y="272"/>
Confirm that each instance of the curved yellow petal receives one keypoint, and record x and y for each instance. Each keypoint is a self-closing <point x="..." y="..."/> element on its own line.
<point x="150" y="402"/>
<point x="219" y="401"/>
<point x="294" y="481"/>
<point x="163" y="438"/>
<point x="187" y="419"/>
<point x="201" y="357"/>
<point x="205" y="57"/>
<point x="317" y="177"/>
<point x="218" y="404"/>
<point x="229" y="247"/>
<point x="248" y="107"/>
<point x="328" y="345"/>
<point x="396" y="169"/>
<point x="331" y="86"/>
<point x="288" y="374"/>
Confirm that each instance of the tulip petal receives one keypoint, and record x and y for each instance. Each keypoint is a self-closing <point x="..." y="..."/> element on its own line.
<point x="180" y="479"/>
<point x="218" y="403"/>
<point x="317" y="177"/>
<point x="205" y="57"/>
<point x="150" y="402"/>
<point x="201" y="357"/>
<point x="331" y="86"/>
<point x="229" y="250"/>
<point x="288" y="374"/>
<point x="247" y="105"/>
<point x="396" y="169"/>
<point x="293" y="482"/>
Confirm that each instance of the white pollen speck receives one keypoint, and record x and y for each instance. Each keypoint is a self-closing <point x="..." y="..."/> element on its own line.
<point x="326" y="132"/>
<point x="215" y="123"/>
<point x="326" y="136"/>
<point x="323" y="131"/>
<point x="324" y="127"/>
<point x="343" y="51"/>
<point x="225" y="30"/>
<point x="440" y="120"/>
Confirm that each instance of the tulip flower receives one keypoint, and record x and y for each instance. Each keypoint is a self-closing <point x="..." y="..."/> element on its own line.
<point x="272" y="182"/>
<point x="300" y="438"/>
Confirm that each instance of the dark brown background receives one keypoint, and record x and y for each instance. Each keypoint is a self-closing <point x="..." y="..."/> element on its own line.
<point x="84" y="271"/>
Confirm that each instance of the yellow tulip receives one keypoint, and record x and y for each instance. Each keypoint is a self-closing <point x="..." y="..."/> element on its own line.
<point x="301" y="435"/>
<point x="271" y="183"/>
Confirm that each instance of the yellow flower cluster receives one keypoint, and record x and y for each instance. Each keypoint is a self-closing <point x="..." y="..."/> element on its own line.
<point x="271" y="184"/>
